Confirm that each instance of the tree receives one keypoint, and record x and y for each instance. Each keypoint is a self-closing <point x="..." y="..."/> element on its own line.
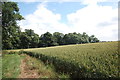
<point x="33" y="38"/>
<point x="0" y="26"/>
<point x="35" y="41"/>
<point x="25" y="40"/>
<point x="79" y="38"/>
<point x="13" y="38"/>
<point x="10" y="16"/>
<point x="58" y="38"/>
<point x="29" y="32"/>
<point x="46" y="40"/>
<point x="93" y="39"/>
<point x="71" y="38"/>
<point x="85" y="38"/>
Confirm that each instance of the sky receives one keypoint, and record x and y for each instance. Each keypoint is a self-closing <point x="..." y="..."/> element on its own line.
<point x="95" y="17"/>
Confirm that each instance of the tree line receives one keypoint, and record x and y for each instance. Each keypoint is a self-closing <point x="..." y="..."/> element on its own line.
<point x="13" y="38"/>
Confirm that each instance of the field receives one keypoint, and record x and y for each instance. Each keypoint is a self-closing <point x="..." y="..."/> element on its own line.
<point x="24" y="66"/>
<point x="96" y="60"/>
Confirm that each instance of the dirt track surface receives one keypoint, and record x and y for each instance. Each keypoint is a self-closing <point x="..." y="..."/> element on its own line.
<point x="26" y="71"/>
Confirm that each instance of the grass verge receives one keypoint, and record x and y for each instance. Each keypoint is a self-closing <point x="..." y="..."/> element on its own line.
<point x="31" y="68"/>
<point x="39" y="69"/>
<point x="11" y="65"/>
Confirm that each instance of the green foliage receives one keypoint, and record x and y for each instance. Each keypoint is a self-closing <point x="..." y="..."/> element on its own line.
<point x="93" y="39"/>
<point x="71" y="38"/>
<point x="46" y="39"/>
<point x="25" y="40"/>
<point x="13" y="38"/>
<point x="58" y="38"/>
<point x="35" y="41"/>
<point x="10" y="29"/>
<point x="96" y="60"/>
<point x="29" y="39"/>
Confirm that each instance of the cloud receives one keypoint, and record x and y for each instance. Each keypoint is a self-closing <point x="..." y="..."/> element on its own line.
<point x="92" y="19"/>
<point x="68" y="0"/>
<point x="46" y="0"/>
<point x="86" y="1"/>
<point x="43" y="20"/>
<point x="91" y="2"/>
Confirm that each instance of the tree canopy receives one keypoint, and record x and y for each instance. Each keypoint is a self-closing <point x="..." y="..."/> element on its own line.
<point x="13" y="38"/>
<point x="10" y="29"/>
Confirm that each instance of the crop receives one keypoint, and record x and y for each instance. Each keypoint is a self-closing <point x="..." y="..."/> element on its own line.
<point x="84" y="60"/>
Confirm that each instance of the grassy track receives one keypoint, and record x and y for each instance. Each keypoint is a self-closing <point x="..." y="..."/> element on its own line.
<point x="84" y="60"/>
<point x="24" y="66"/>
<point x="35" y="68"/>
<point x="0" y="67"/>
<point x="11" y="65"/>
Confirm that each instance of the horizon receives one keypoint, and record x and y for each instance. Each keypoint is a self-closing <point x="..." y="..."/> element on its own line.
<point x="69" y="17"/>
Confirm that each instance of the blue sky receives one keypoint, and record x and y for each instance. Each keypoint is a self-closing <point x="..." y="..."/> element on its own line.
<point x="90" y="16"/>
<point x="27" y="8"/>
<point x="62" y="8"/>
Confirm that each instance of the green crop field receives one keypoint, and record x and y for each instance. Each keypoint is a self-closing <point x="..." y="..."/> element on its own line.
<point x="83" y="60"/>
<point x="40" y="43"/>
<point x="96" y="60"/>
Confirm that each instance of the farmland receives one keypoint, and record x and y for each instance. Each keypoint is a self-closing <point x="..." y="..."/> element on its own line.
<point x="24" y="66"/>
<point x="46" y="41"/>
<point x="96" y="60"/>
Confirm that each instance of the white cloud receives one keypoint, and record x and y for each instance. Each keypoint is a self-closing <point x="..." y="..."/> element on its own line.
<point x="88" y="19"/>
<point x="91" y="2"/>
<point x="86" y="1"/>
<point x="25" y="0"/>
<point x="43" y="20"/>
<point x="92" y="19"/>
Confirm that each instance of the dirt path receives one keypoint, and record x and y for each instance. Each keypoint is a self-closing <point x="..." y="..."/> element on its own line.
<point x="26" y="71"/>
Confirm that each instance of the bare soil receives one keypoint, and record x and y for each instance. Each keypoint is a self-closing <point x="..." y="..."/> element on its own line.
<point x="26" y="70"/>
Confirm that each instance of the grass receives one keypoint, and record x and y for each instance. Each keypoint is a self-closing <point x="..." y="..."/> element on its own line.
<point x="11" y="65"/>
<point x="83" y="60"/>
<point x="0" y="67"/>
<point x="44" y="71"/>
